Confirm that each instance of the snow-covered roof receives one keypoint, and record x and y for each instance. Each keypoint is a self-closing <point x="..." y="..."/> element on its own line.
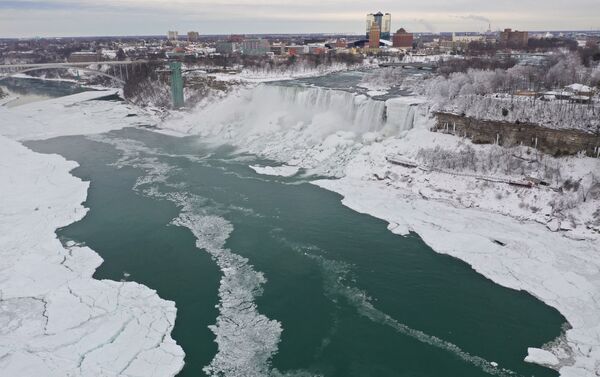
<point x="579" y="88"/>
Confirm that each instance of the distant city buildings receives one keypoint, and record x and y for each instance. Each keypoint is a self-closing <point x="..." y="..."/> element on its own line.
<point x="226" y="47"/>
<point x="84" y="57"/>
<point x="402" y="39"/>
<point x="236" y="38"/>
<point x="514" y="39"/>
<point x="193" y="36"/>
<point x="383" y="21"/>
<point x="173" y="35"/>
<point x="255" y="47"/>
<point x="467" y="38"/>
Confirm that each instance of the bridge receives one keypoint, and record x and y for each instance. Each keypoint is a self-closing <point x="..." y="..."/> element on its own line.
<point x="118" y="71"/>
<point x="428" y="66"/>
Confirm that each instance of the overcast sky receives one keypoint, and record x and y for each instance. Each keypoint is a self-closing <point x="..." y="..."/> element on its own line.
<point x="28" y="18"/>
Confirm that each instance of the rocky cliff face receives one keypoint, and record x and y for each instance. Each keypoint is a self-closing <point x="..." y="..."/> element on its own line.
<point x="556" y="142"/>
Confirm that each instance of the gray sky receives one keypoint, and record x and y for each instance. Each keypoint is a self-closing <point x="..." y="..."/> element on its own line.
<point x="28" y="18"/>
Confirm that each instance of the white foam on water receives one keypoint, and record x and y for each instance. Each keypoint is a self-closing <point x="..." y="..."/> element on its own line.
<point x="246" y="339"/>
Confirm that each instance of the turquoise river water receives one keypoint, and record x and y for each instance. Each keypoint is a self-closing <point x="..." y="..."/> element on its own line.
<point x="326" y="291"/>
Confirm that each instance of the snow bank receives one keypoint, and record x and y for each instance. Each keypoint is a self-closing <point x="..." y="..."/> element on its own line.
<point x="71" y="115"/>
<point x="559" y="271"/>
<point x="55" y="319"/>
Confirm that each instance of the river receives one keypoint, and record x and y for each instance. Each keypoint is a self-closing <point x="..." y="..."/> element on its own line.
<point x="274" y="276"/>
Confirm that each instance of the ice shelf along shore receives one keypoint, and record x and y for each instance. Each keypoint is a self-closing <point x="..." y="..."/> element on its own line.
<point x="55" y="319"/>
<point x="540" y="240"/>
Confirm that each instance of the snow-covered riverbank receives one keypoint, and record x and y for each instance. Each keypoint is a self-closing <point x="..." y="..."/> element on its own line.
<point x="543" y="240"/>
<point x="55" y="319"/>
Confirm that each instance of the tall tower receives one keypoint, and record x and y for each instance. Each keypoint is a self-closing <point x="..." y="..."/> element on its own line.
<point x="374" y="36"/>
<point x="370" y="22"/>
<point x="384" y="21"/>
<point x="176" y="85"/>
<point x="386" y="27"/>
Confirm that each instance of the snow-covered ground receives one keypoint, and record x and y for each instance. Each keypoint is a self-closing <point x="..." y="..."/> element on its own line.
<point x="55" y="319"/>
<point x="544" y="240"/>
<point x="71" y="115"/>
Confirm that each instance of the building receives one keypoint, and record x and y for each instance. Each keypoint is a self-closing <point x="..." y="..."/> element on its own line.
<point x="193" y="36"/>
<point x="466" y="38"/>
<point x="402" y="39"/>
<point x="341" y="43"/>
<point x="226" y="47"/>
<point x="84" y="57"/>
<point x="278" y="48"/>
<point x="514" y="39"/>
<point x="236" y="38"/>
<point x="374" y="36"/>
<point x="173" y="35"/>
<point x="255" y="47"/>
<point x="295" y="50"/>
<point x="384" y="21"/>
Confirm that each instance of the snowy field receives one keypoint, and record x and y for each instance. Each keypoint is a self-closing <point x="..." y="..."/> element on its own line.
<point x="55" y="319"/>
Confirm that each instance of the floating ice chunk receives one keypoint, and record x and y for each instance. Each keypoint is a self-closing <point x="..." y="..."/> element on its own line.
<point x="282" y="171"/>
<point x="399" y="229"/>
<point x="539" y="356"/>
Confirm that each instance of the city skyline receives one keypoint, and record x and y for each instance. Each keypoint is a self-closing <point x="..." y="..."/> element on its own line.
<point x="55" y="18"/>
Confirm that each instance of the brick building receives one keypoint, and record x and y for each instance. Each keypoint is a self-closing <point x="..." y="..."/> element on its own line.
<point x="402" y="39"/>
<point x="514" y="39"/>
<point x="374" y="36"/>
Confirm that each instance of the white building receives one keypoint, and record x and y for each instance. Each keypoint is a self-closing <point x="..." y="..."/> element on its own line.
<point x="466" y="39"/>
<point x="173" y="35"/>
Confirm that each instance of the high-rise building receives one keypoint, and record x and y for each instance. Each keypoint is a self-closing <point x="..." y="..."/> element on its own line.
<point x="374" y="36"/>
<point x="384" y="21"/>
<point x="173" y="35"/>
<point x="386" y="28"/>
<point x="193" y="36"/>
<point x="402" y="39"/>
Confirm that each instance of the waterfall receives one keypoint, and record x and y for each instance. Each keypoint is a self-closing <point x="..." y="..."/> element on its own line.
<point x="317" y="112"/>
<point x="312" y="127"/>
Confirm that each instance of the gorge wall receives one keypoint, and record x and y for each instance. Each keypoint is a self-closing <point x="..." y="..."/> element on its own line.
<point x="556" y="142"/>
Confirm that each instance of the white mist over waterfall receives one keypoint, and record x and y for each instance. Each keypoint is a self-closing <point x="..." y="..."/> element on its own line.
<point x="312" y="127"/>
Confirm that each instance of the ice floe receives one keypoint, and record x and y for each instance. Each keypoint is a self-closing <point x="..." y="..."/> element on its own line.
<point x="282" y="171"/>
<point x="55" y="319"/>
